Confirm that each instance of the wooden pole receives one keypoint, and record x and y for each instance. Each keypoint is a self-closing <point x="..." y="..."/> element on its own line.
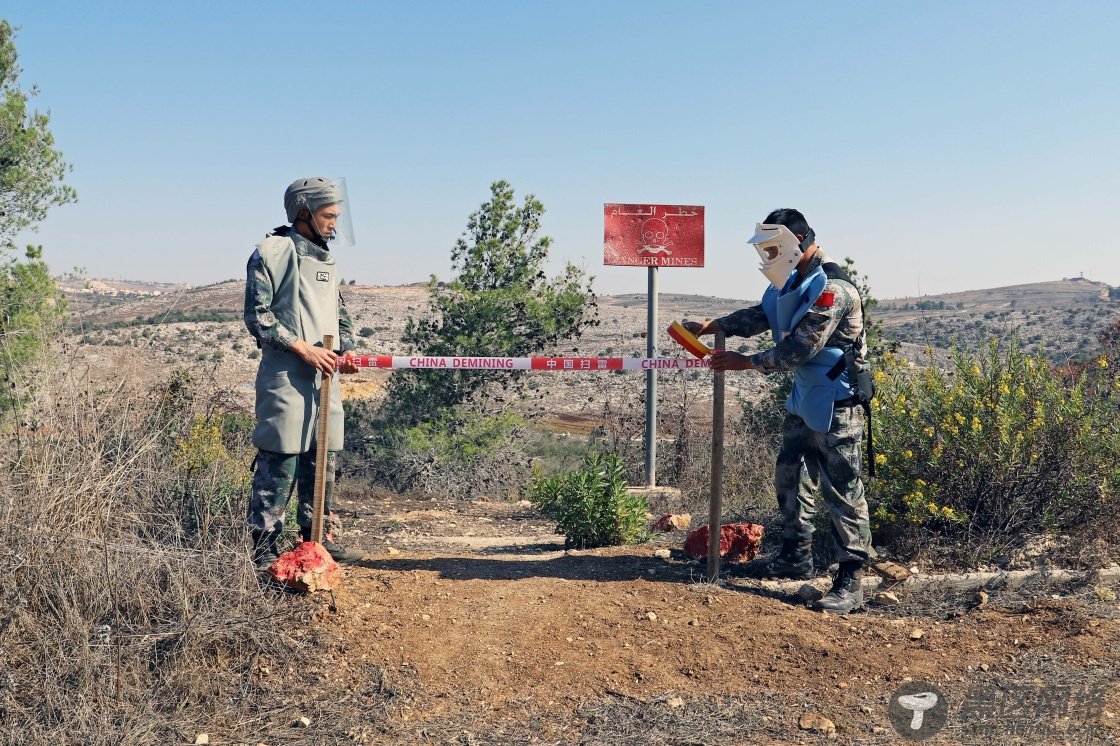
<point x="321" y="438"/>
<point x="715" y="506"/>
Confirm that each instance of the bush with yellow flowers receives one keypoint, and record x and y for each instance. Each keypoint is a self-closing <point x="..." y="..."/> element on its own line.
<point x="212" y="457"/>
<point x="995" y="448"/>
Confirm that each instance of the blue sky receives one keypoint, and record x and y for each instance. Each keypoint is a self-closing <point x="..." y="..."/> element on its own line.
<point x="945" y="146"/>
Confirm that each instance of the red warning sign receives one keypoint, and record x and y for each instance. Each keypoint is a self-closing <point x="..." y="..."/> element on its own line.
<point x="653" y="235"/>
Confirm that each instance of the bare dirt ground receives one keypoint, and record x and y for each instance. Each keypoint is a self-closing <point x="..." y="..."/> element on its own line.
<point x="468" y="623"/>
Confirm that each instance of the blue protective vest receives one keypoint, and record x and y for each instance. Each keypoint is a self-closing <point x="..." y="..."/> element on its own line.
<point x="813" y="391"/>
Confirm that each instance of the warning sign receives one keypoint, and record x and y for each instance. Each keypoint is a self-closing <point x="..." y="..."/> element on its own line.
<point x="653" y="235"/>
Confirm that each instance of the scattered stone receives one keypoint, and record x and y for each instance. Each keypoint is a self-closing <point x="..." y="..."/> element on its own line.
<point x="878" y="730"/>
<point x="886" y="598"/>
<point x="524" y="504"/>
<point x="302" y="722"/>
<point x="890" y="571"/>
<point x="663" y="553"/>
<point x="675" y="702"/>
<point x="694" y="623"/>
<point x="671" y="522"/>
<point x="426" y="617"/>
<point x="914" y="570"/>
<point x="816" y="722"/>
<point x="866" y="709"/>
<point x="392" y="550"/>
<point x="984" y="667"/>
<point x="982" y="598"/>
<point x="809" y="592"/>
<point x="916" y="634"/>
<point x="202" y="738"/>
<point x="651" y="616"/>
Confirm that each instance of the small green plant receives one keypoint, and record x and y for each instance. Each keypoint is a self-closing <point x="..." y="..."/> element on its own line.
<point x="591" y="505"/>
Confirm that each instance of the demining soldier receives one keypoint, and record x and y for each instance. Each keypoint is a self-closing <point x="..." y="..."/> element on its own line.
<point x="815" y="315"/>
<point x="291" y="301"/>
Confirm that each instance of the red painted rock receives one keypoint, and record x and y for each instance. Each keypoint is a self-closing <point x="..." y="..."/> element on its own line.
<point x="738" y="542"/>
<point x="307" y="568"/>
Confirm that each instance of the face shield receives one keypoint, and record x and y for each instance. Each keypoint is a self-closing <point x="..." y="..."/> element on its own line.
<point x="328" y="204"/>
<point x="779" y="250"/>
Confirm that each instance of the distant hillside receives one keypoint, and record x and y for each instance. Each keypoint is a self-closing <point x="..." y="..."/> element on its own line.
<point x="1065" y="316"/>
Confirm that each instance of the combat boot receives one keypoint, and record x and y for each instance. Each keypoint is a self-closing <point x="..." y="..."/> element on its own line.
<point x="794" y="562"/>
<point x="847" y="589"/>
<point x="264" y="548"/>
<point x="337" y="552"/>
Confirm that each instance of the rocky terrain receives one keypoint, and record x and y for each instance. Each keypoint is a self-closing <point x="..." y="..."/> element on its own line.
<point x="201" y="328"/>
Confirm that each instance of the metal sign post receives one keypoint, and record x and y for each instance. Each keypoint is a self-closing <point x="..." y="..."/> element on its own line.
<point x="715" y="505"/>
<point x="651" y="381"/>
<point x="653" y="236"/>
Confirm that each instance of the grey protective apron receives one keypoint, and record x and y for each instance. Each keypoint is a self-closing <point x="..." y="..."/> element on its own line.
<point x="305" y="300"/>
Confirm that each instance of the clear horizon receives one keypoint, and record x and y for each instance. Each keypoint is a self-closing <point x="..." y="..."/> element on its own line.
<point x="945" y="148"/>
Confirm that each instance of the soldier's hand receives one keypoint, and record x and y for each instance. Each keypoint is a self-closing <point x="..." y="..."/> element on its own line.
<point x="347" y="363"/>
<point x="727" y="360"/>
<point x="699" y="328"/>
<point x="320" y="359"/>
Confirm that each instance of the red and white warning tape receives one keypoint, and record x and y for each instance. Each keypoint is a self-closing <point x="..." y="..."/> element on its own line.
<point x="566" y="364"/>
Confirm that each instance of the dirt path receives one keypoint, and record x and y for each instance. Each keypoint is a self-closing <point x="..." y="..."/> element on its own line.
<point x="485" y="631"/>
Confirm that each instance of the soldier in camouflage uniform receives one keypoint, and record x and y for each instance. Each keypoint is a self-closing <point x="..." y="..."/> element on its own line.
<point x="815" y="314"/>
<point x="291" y="301"/>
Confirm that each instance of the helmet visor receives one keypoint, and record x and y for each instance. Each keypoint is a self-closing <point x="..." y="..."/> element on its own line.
<point x="333" y="216"/>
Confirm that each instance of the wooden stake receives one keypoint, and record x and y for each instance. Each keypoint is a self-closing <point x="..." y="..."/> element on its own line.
<point x="715" y="506"/>
<point x="321" y="438"/>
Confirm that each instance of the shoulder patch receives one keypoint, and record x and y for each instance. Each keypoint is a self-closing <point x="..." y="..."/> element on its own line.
<point x="825" y="300"/>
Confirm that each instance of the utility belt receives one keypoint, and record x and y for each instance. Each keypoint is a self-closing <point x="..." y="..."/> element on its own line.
<point x="863" y="391"/>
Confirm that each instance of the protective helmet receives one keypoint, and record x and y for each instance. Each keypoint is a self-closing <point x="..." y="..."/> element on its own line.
<point x="310" y="194"/>
<point x="779" y="250"/>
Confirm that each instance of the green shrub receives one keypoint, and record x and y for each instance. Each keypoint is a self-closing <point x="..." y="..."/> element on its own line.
<point x="460" y="454"/>
<point x="462" y="439"/>
<point x="366" y="331"/>
<point x="591" y="505"/>
<point x="996" y="449"/>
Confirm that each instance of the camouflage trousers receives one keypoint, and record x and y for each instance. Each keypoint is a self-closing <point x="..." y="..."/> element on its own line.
<point x="828" y="463"/>
<point x="276" y="475"/>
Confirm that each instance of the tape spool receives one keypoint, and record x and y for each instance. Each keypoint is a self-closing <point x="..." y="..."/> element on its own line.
<point x="688" y="340"/>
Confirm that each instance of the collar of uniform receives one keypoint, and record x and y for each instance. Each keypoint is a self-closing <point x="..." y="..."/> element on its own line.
<point x="815" y="261"/>
<point x="307" y="248"/>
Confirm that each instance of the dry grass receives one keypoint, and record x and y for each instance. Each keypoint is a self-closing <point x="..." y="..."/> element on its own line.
<point x="129" y="612"/>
